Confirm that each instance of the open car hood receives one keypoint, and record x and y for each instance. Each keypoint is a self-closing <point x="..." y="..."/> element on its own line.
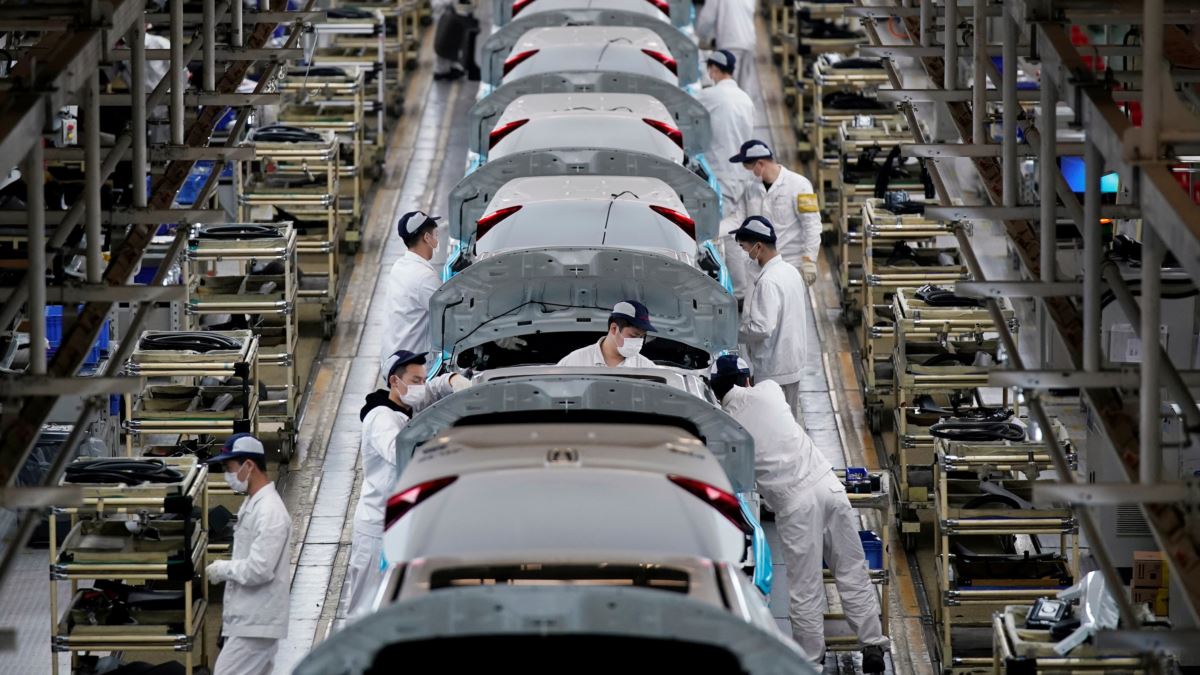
<point x="470" y="197"/>
<point x="689" y="114"/>
<point x="463" y="629"/>
<point x="580" y="392"/>
<point x="499" y="44"/>
<point x="681" y="11"/>
<point x="569" y="289"/>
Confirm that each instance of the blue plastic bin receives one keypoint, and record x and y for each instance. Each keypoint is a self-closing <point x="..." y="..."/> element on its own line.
<point x="872" y="549"/>
<point x="54" y="335"/>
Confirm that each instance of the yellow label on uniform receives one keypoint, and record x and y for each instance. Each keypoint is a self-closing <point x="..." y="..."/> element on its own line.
<point x="807" y="203"/>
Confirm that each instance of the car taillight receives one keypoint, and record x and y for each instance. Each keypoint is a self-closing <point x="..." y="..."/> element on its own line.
<point x="403" y="502"/>
<point x="500" y="132"/>
<point x="722" y="501"/>
<point x="517" y="59"/>
<point x="663" y="6"/>
<point x="489" y="221"/>
<point x="682" y="221"/>
<point x="657" y="56"/>
<point x="519" y="5"/>
<point x="667" y="130"/>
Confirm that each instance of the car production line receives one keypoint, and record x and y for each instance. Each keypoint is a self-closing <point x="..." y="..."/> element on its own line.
<point x="439" y="151"/>
<point x="427" y="154"/>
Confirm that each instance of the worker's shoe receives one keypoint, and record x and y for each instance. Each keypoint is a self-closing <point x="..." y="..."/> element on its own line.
<point x="873" y="659"/>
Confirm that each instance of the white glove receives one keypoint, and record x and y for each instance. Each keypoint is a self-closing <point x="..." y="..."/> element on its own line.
<point x="809" y="269"/>
<point x="459" y="383"/>
<point x="216" y="571"/>
<point x="512" y="344"/>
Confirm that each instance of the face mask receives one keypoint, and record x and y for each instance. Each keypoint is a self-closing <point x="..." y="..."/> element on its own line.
<point x="414" y="395"/>
<point x="752" y="255"/>
<point x="238" y="485"/>
<point x="631" y="347"/>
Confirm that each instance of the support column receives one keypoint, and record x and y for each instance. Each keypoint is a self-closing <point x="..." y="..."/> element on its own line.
<point x="1150" y="424"/>
<point x="92" y="177"/>
<point x="1093" y="255"/>
<point x="1008" y="87"/>
<point x="178" y="68"/>
<point x="35" y="182"/>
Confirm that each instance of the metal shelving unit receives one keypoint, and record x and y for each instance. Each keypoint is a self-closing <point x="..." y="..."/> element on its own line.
<point x="303" y="178"/>
<point x="88" y="553"/>
<point x="220" y="281"/>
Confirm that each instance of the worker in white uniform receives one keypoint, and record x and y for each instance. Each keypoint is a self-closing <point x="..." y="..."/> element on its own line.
<point x="785" y="198"/>
<point x="410" y="284"/>
<point x="729" y="24"/>
<point x="255" y="614"/>
<point x="385" y="413"/>
<point x="621" y="347"/>
<point x="812" y="515"/>
<point x="772" y="329"/>
<point x="731" y="116"/>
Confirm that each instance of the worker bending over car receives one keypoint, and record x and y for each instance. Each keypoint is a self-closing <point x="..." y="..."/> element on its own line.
<point x="385" y="413"/>
<point x="773" y="327"/>
<point x="621" y="347"/>
<point x="812" y="515"/>
<point x="254" y="616"/>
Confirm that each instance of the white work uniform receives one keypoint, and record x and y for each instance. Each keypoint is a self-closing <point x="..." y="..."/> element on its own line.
<point x="255" y="614"/>
<point x="592" y="356"/>
<point x="813" y="517"/>
<point x="382" y="421"/>
<point x="410" y="284"/>
<point x="731" y="116"/>
<point x="730" y="25"/>
<point x="773" y="327"/>
<point x="791" y="206"/>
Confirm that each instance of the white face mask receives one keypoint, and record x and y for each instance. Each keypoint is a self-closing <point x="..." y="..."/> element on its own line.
<point x="238" y="485"/>
<point x="631" y="347"/>
<point x="413" y="396"/>
<point x="750" y="254"/>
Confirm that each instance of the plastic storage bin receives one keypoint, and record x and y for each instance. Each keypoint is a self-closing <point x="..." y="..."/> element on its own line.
<point x="54" y="335"/>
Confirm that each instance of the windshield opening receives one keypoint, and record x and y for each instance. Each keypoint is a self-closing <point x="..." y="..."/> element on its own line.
<point x="539" y="574"/>
<point x="550" y="348"/>
<point x="590" y="417"/>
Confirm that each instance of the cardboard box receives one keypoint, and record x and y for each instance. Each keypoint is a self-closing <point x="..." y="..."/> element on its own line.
<point x="1149" y="569"/>
<point x="1158" y="599"/>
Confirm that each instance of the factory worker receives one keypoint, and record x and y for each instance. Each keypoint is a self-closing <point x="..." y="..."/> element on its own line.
<point x="812" y="514"/>
<point x="622" y="345"/>
<point x="255" y="613"/>
<point x="786" y="199"/>
<point x="385" y="413"/>
<point x="729" y="24"/>
<point x="410" y="284"/>
<point x="772" y="328"/>
<point x="731" y="116"/>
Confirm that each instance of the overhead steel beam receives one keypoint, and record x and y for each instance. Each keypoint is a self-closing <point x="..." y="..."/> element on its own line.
<point x="1018" y="289"/>
<point x="1102" y="494"/>
<point x="34" y="385"/>
<point x="129" y="216"/>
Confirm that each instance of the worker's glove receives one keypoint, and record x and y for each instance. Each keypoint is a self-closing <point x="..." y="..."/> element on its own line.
<point x="809" y="269"/>
<point x="217" y="570"/>
<point x="512" y="344"/>
<point x="459" y="383"/>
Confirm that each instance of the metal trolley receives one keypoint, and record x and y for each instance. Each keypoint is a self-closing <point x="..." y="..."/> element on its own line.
<point x="916" y="322"/>
<point x="878" y="501"/>
<point x="156" y="412"/>
<point x="331" y="103"/>
<point x="1017" y="649"/>
<point x="966" y="600"/>
<point x="100" y="547"/>
<point x="303" y="178"/>
<point x="826" y="120"/>
<point x="220" y="280"/>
